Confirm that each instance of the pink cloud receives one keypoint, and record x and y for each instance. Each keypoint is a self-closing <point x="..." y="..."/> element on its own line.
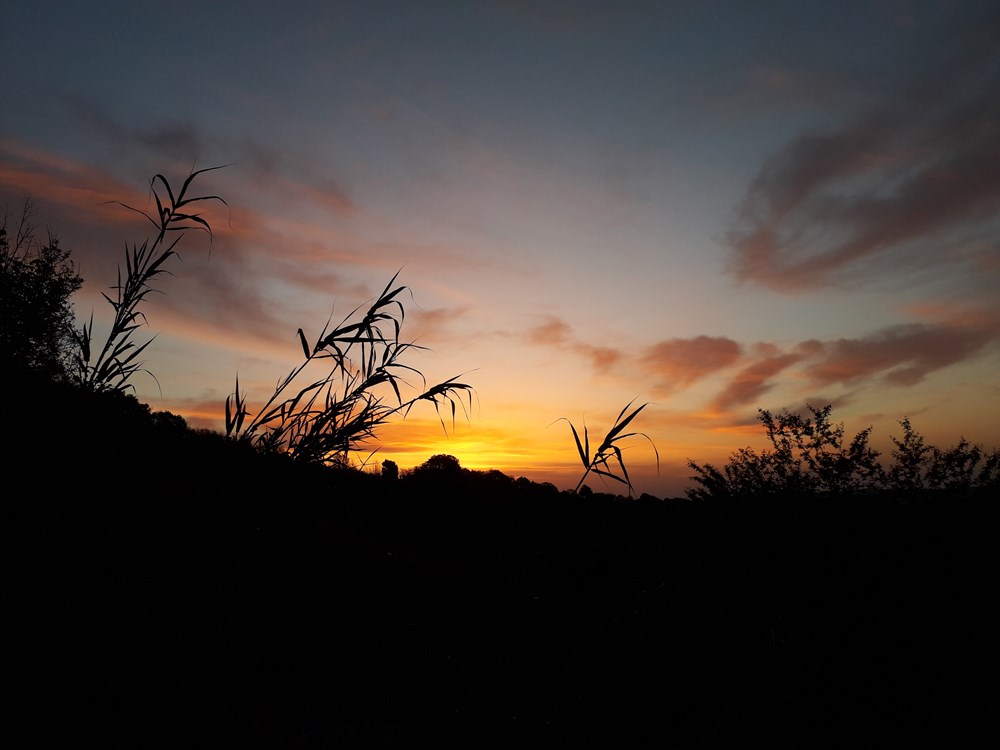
<point x="88" y="194"/>
<point x="552" y="331"/>
<point x="557" y="332"/>
<point x="903" y="355"/>
<point x="325" y="194"/>
<point x="900" y="356"/>
<point x="753" y="381"/>
<point x="680" y="362"/>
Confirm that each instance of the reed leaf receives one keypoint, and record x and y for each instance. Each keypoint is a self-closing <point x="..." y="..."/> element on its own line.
<point x="116" y="362"/>
<point x="600" y="462"/>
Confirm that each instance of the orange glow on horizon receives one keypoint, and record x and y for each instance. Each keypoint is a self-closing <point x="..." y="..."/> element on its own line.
<point x="411" y="442"/>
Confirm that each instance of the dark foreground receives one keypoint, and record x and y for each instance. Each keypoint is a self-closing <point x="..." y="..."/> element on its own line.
<point x="178" y="592"/>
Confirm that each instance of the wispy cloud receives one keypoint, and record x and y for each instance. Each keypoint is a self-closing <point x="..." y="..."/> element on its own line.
<point x="436" y="326"/>
<point x="89" y="194"/>
<point x="680" y="362"/>
<point x="264" y="274"/>
<point x="754" y="380"/>
<point x="903" y="355"/>
<point x="553" y="331"/>
<point x="923" y="166"/>
<point x="897" y="356"/>
<point x="178" y="140"/>
<point x="181" y="145"/>
<point x="557" y="332"/>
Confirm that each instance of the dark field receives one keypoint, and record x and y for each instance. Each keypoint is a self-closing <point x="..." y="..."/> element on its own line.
<point x="163" y="586"/>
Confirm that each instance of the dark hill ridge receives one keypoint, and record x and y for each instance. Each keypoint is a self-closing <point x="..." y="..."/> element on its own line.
<point x="166" y="585"/>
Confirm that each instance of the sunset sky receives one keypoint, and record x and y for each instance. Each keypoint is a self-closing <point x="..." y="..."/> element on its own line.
<point x="711" y="207"/>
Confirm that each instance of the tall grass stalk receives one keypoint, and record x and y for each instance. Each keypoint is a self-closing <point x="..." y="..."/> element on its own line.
<point x="118" y="359"/>
<point x="329" y="418"/>
<point x="600" y="462"/>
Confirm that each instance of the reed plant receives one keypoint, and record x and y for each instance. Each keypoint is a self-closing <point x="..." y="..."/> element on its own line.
<point x="118" y="359"/>
<point x="323" y="421"/>
<point x="328" y="418"/>
<point x="609" y="449"/>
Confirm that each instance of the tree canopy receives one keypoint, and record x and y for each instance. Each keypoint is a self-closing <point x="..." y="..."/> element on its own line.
<point x="37" y="280"/>
<point x="810" y="455"/>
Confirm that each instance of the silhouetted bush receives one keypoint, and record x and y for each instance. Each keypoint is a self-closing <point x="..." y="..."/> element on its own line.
<point x="390" y="470"/>
<point x="36" y="317"/>
<point x="440" y="464"/>
<point x="809" y="456"/>
<point x="918" y="466"/>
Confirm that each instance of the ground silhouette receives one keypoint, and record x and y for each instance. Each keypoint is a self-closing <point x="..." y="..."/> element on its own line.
<point x="167" y="585"/>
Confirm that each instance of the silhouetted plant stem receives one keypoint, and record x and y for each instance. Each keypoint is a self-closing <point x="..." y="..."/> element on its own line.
<point x="330" y="418"/>
<point x="117" y="361"/>
<point x="599" y="463"/>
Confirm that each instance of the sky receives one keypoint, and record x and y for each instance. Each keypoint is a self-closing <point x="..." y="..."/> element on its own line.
<point x="709" y="207"/>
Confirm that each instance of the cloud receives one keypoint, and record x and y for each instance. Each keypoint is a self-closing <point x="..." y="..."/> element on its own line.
<point x="435" y="326"/>
<point x="177" y="140"/>
<point x="753" y="381"/>
<point x="903" y="355"/>
<point x="601" y="357"/>
<point x="898" y="356"/>
<point x="181" y="144"/>
<point x="920" y="167"/>
<point x="553" y="331"/>
<point x="680" y="362"/>
<point x="87" y="193"/>
<point x="83" y="205"/>
<point x="264" y="275"/>
<point x="557" y="332"/>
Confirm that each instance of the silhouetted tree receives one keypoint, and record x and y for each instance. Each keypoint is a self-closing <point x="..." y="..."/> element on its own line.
<point x="920" y="466"/>
<point x="440" y="463"/>
<point x="909" y="456"/>
<point x="390" y="469"/>
<point x="808" y="455"/>
<point x="36" y="282"/>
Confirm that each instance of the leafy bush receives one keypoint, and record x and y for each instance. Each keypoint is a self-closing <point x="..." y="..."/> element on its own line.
<point x="809" y="455"/>
<point x="919" y="466"/>
<point x="36" y="317"/>
<point x="440" y="463"/>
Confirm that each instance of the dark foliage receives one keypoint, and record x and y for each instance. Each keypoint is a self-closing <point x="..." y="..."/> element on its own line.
<point x="919" y="466"/>
<point x="171" y="587"/>
<point x="36" y="317"/>
<point x="439" y="465"/>
<point x="810" y="456"/>
<point x="390" y="469"/>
